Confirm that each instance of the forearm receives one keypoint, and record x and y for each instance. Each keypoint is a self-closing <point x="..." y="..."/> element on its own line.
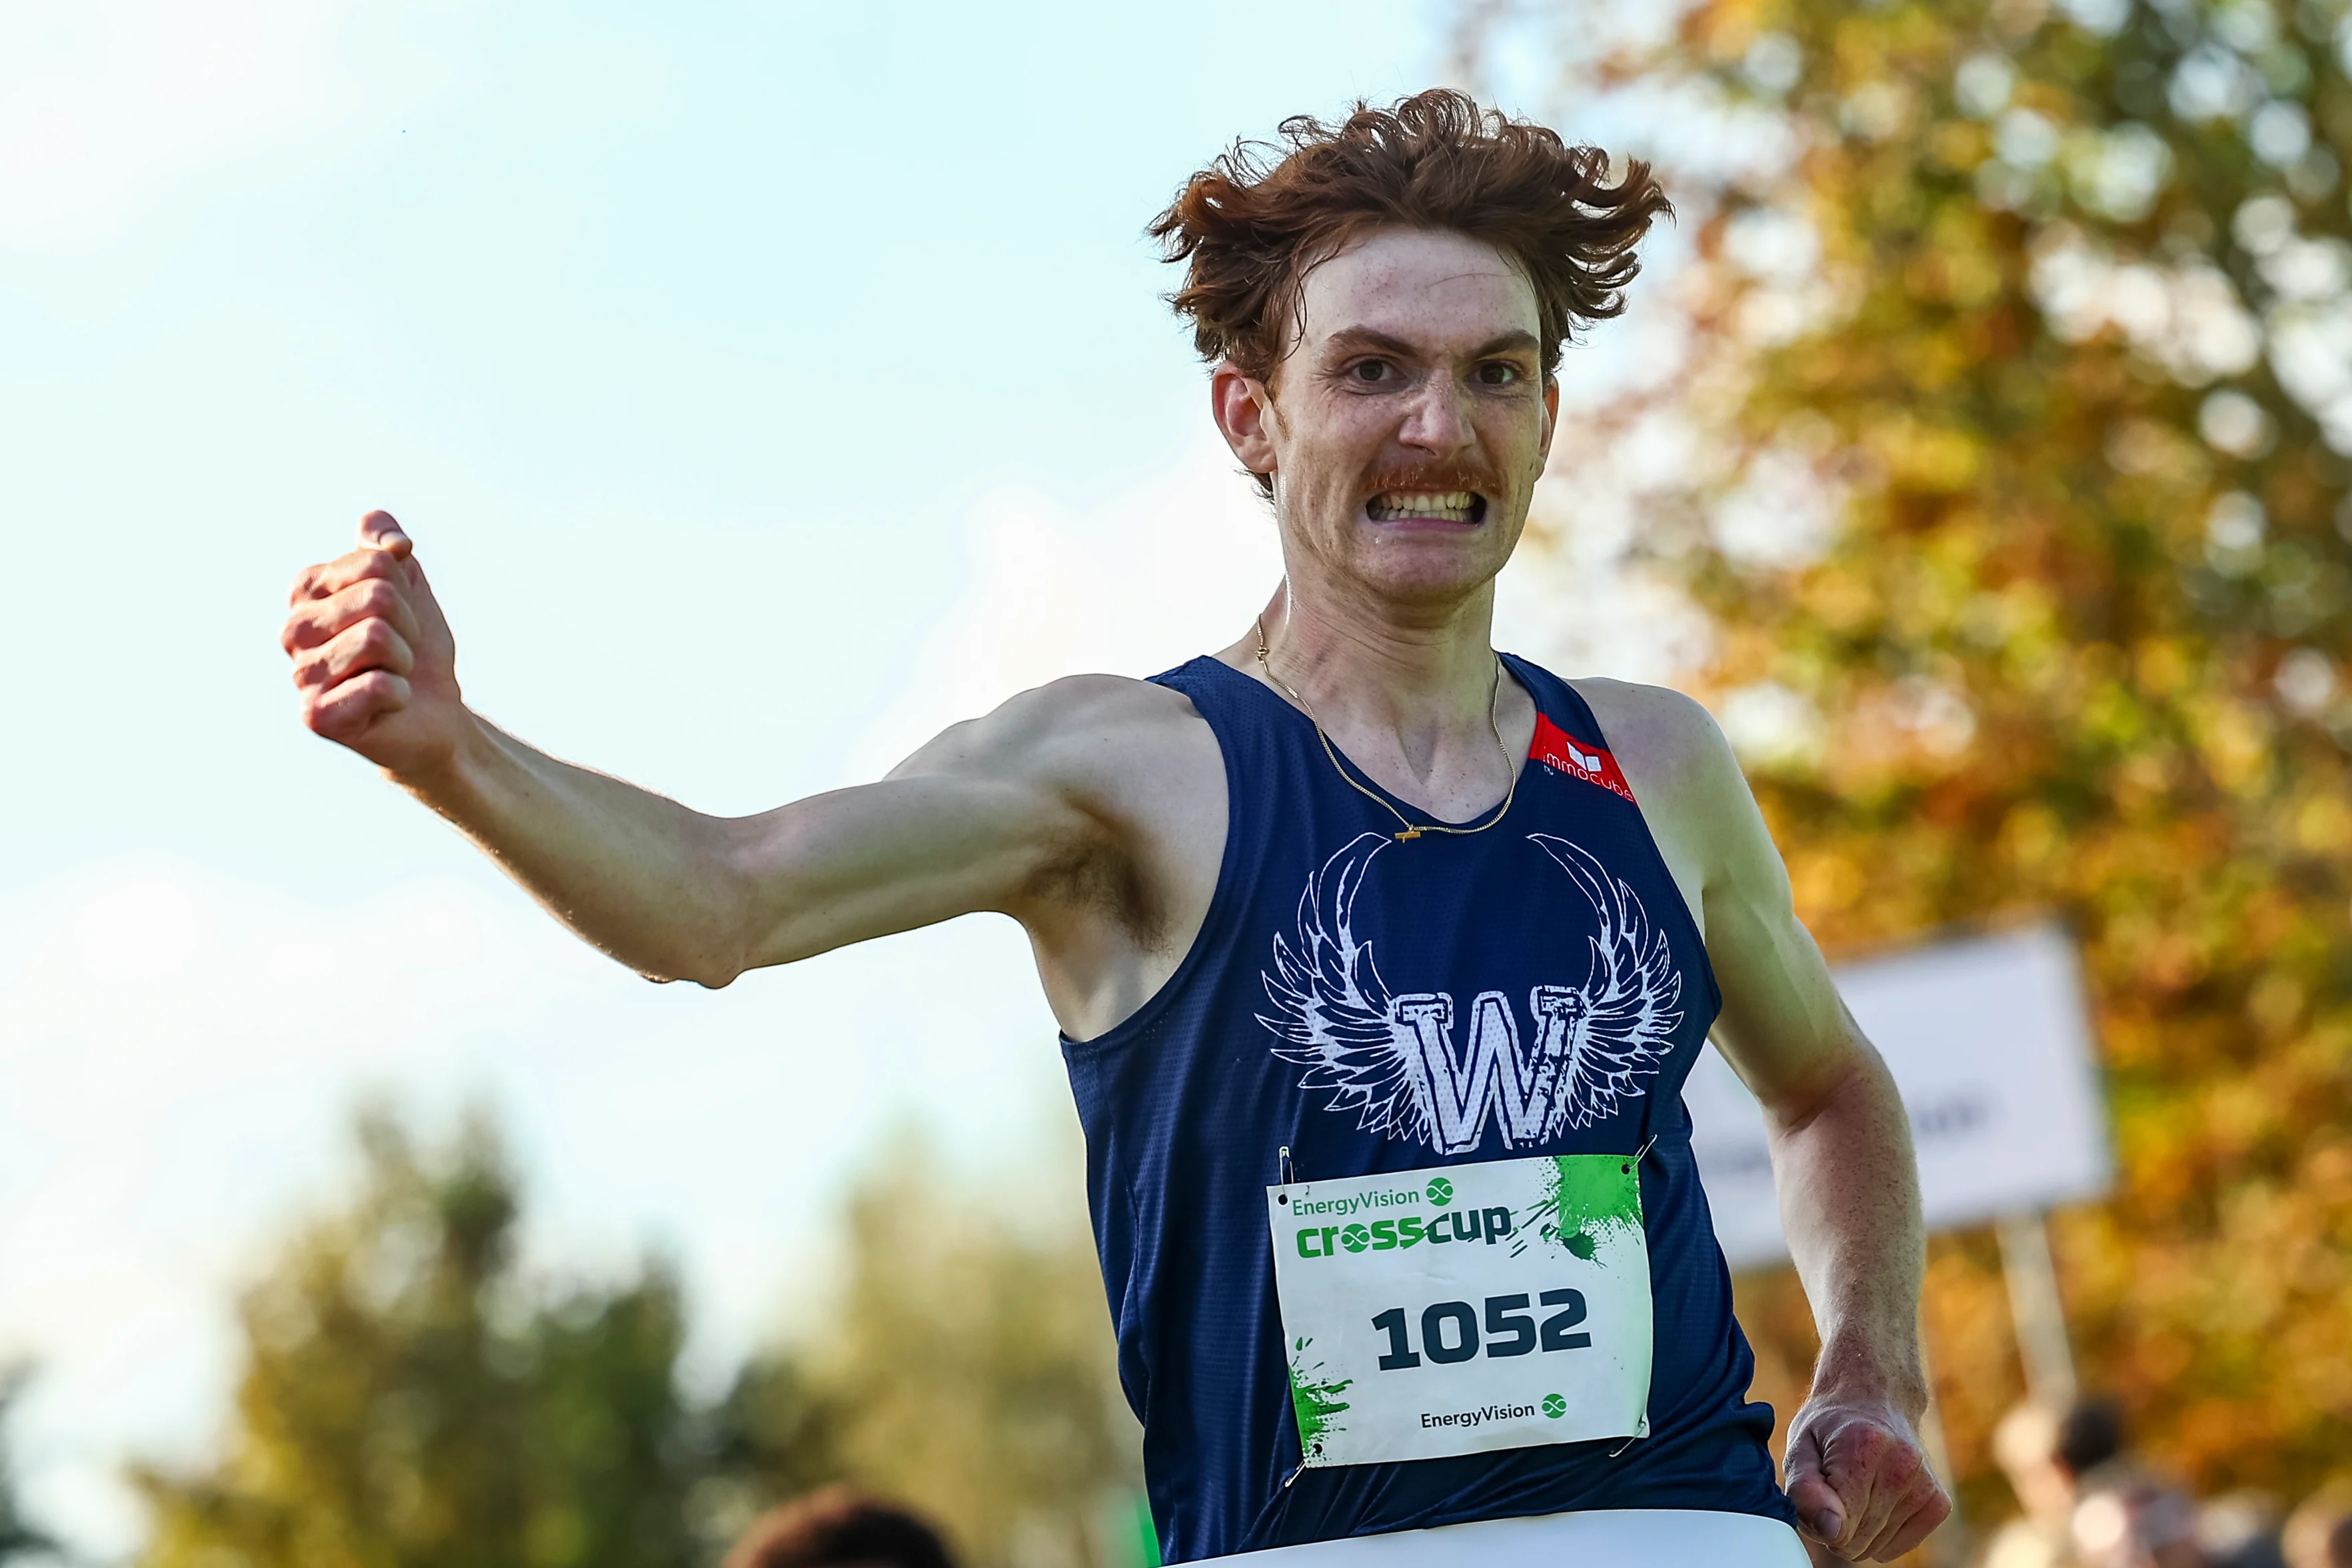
<point x="1848" y="1195"/>
<point x="971" y="823"/>
<point x="1849" y="1190"/>
<point x="640" y="876"/>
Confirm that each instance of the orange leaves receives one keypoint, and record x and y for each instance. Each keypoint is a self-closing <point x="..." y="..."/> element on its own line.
<point x="2076" y="635"/>
<point x="2322" y="826"/>
<point x="1934" y="458"/>
<point x="2234" y="737"/>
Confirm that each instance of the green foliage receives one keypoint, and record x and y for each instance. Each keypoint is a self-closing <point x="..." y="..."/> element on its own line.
<point x="2019" y="385"/>
<point x="409" y="1399"/>
<point x="775" y="1435"/>
<point x="965" y="1365"/>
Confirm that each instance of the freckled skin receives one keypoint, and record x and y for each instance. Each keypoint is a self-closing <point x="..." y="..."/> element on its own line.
<point x="1093" y="809"/>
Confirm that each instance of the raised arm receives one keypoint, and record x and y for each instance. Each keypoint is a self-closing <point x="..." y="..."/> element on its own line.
<point x="975" y="822"/>
<point x="1842" y="1162"/>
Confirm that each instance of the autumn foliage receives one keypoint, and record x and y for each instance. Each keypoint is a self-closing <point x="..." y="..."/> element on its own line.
<point x="2007" y="434"/>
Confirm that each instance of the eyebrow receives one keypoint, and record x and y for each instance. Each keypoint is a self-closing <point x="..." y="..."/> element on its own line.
<point x="1369" y="337"/>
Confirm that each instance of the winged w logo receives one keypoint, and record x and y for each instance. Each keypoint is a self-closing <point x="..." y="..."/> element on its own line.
<point x="1392" y="1059"/>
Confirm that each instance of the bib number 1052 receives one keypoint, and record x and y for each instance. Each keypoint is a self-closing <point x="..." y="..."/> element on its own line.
<point x="1450" y="1329"/>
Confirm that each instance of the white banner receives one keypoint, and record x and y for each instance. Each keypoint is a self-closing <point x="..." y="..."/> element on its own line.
<point x="1989" y="1042"/>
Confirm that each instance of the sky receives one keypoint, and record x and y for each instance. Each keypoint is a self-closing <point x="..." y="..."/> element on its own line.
<point x="765" y="384"/>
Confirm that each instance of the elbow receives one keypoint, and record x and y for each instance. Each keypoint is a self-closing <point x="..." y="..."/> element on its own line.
<point x="709" y="970"/>
<point x="721" y="939"/>
<point x="708" y="959"/>
<point x="1859" y="1086"/>
<point x="711" y="979"/>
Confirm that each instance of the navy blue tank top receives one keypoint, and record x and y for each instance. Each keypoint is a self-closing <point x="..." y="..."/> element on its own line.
<point x="1280" y="1029"/>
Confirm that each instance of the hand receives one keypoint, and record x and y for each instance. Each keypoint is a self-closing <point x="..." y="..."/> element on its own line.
<point x="372" y="656"/>
<point x="1860" y="1480"/>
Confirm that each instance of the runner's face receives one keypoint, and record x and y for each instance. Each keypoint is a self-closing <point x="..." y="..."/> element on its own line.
<point x="1410" y="418"/>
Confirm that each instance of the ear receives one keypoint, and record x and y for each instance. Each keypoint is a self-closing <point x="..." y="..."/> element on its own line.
<point x="1242" y="407"/>
<point x="1551" y="416"/>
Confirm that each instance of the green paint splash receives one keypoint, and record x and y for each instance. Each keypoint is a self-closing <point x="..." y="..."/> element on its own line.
<point x="1314" y="1401"/>
<point x="1585" y="1197"/>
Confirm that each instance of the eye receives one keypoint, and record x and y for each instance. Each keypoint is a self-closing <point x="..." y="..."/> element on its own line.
<point x="1498" y="373"/>
<point x="1371" y="372"/>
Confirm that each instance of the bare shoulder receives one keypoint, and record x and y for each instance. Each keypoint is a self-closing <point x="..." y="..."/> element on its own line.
<point x="1662" y="738"/>
<point x="1082" y="706"/>
<point x="1077" y="730"/>
<point x="1696" y="799"/>
<point x="1124" y="786"/>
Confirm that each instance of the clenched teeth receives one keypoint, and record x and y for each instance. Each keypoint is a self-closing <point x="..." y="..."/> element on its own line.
<point x="1452" y="505"/>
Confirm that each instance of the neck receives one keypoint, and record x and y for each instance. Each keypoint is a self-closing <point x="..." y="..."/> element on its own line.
<point x="1424" y="674"/>
<point x="1412" y="695"/>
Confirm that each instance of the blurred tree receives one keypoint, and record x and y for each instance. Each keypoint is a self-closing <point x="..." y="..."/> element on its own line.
<point x="409" y="1399"/>
<point x="774" y="1437"/>
<point x="2004" y="437"/>
<point x="17" y="1536"/>
<point x="964" y="1365"/>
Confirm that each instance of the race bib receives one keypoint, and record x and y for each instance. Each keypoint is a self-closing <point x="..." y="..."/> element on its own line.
<point x="1464" y="1310"/>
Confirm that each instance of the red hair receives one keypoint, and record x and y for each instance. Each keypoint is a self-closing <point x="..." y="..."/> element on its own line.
<point x="1255" y="222"/>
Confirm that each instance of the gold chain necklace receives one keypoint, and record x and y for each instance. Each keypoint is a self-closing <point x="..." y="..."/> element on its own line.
<point x="1413" y="829"/>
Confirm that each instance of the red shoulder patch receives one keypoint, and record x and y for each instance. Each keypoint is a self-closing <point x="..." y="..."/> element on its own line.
<point x="1557" y="749"/>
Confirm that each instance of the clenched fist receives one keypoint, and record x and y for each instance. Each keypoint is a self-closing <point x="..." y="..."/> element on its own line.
<point x="1859" y="1480"/>
<point x="374" y="659"/>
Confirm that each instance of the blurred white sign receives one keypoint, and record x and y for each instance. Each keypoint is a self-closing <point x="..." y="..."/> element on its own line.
<point x="1989" y="1042"/>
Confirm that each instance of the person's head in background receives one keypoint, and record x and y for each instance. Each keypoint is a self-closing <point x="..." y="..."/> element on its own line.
<point x="2088" y="1436"/>
<point x="2319" y="1534"/>
<point x="836" y="1528"/>
<point x="2045" y="1454"/>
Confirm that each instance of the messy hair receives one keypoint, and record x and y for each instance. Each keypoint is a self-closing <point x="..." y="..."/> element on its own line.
<point x="1253" y="222"/>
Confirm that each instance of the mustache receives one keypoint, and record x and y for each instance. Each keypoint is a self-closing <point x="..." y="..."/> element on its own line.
<point x="1428" y="477"/>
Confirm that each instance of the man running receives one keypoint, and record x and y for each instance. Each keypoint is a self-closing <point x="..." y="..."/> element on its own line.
<point x="1380" y="957"/>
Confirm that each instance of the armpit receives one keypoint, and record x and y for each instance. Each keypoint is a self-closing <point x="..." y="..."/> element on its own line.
<point x="1090" y="873"/>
